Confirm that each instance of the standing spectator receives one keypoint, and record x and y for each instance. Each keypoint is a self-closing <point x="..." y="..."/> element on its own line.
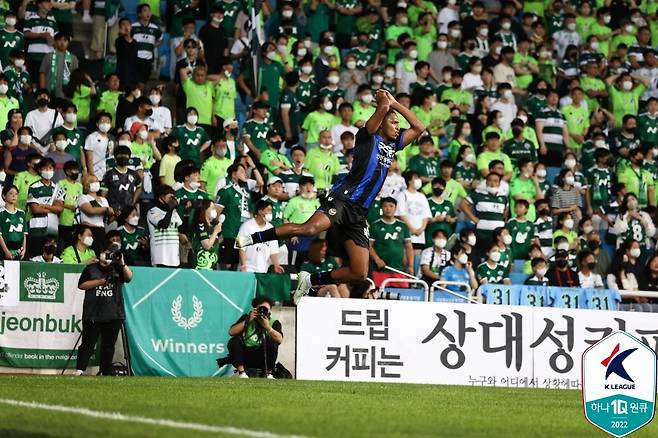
<point x="72" y="190"/>
<point x="10" y="38"/>
<point x="522" y="231"/>
<point x="235" y="203"/>
<point x="46" y="201"/>
<point x="40" y="28"/>
<point x="390" y="242"/>
<point x="552" y="132"/>
<point x="25" y="178"/>
<point x="169" y="161"/>
<point x="163" y="222"/>
<point x="214" y="39"/>
<point x="7" y="103"/>
<point x="224" y="95"/>
<point x="565" y="197"/>
<point x="288" y="114"/>
<point x="97" y="146"/>
<point x="270" y="71"/>
<point x="134" y="238"/>
<point x="199" y="93"/>
<point x="443" y="215"/>
<point x="161" y="113"/>
<point x="42" y="120"/>
<point x="435" y="258"/>
<point x="122" y="186"/>
<point x="109" y="99"/>
<point x="204" y="231"/>
<point x="13" y="226"/>
<point x="638" y="180"/>
<point x="56" y="67"/>
<point x="20" y="83"/>
<point x="148" y="37"/>
<point x="190" y="197"/>
<point x="80" y="251"/>
<point x="322" y="162"/>
<point x="255" y="129"/>
<point x="544" y="227"/>
<point x="94" y="209"/>
<point x="414" y="210"/>
<point x="487" y="208"/>
<point x="128" y="68"/>
<point x="214" y="168"/>
<point x="193" y="139"/>
<point x="298" y="210"/>
<point x="259" y="257"/>
<point x="105" y="27"/>
<point x="72" y="134"/>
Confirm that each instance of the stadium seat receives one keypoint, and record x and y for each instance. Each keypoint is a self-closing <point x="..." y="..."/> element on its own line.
<point x="517" y="266"/>
<point x="517" y="277"/>
<point x="551" y="174"/>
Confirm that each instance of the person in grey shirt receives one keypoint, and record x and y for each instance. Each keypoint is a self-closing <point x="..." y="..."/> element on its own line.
<point x="440" y="57"/>
<point x="56" y="67"/>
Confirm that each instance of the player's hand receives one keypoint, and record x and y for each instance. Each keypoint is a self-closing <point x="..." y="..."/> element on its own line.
<point x="381" y="98"/>
<point x="390" y="98"/>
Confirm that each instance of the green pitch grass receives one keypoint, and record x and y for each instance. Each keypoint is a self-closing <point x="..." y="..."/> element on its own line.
<point x="310" y="409"/>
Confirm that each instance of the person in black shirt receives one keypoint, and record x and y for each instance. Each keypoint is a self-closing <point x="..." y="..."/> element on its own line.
<point x="126" y="47"/>
<point x="561" y="275"/>
<point x="102" y="311"/>
<point x="121" y="185"/>
<point x="215" y="40"/>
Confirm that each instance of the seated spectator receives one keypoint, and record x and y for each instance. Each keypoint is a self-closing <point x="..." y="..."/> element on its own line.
<point x="161" y="113"/>
<point x="648" y="281"/>
<point x="318" y="261"/>
<point x="322" y="162"/>
<point x="565" y="228"/>
<point x="134" y="238"/>
<point x="492" y="152"/>
<point x="49" y="251"/>
<point x="565" y="197"/>
<point x="7" y="102"/>
<point x="204" y="230"/>
<point x="544" y="227"/>
<point x="13" y="226"/>
<point x="298" y="210"/>
<point x="435" y="258"/>
<point x="259" y="257"/>
<point x="539" y="270"/>
<point x="193" y="139"/>
<point x="632" y="224"/>
<point x="144" y="115"/>
<point x="121" y="185"/>
<point x="491" y="272"/>
<point x="601" y="256"/>
<point x="163" y="222"/>
<point x="586" y="276"/>
<point x="94" y="209"/>
<point x="521" y="230"/>
<point x="459" y="271"/>
<point x="81" y="89"/>
<point x="561" y="274"/>
<point x="534" y="252"/>
<point x="214" y="168"/>
<point x="46" y="201"/>
<point x="80" y="252"/>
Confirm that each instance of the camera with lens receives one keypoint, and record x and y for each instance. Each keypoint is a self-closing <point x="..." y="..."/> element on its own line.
<point x="388" y="295"/>
<point x="263" y="312"/>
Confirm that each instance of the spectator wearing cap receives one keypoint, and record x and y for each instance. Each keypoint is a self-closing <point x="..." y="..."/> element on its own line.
<point x="230" y="133"/>
<point x="148" y="36"/>
<point x="43" y="119"/>
<point x="163" y="222"/>
<point x="322" y="162"/>
<point x="169" y="161"/>
<point x="193" y="139"/>
<point x="97" y="145"/>
<point x="224" y="95"/>
<point x="560" y="274"/>
<point x="215" y="37"/>
<point x="39" y="28"/>
<point x="272" y="159"/>
<point x="189" y="197"/>
<point x="275" y="195"/>
<point x="255" y="129"/>
<point x="122" y="186"/>
<point x="259" y="257"/>
<point x="298" y="210"/>
<point x="161" y="113"/>
<point x="10" y="38"/>
<point x="143" y="115"/>
<point x="57" y="66"/>
<point x="7" y="103"/>
<point x="143" y="146"/>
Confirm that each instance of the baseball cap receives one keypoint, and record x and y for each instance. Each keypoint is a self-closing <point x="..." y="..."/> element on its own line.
<point x="135" y="127"/>
<point x="274" y="180"/>
<point x="229" y="122"/>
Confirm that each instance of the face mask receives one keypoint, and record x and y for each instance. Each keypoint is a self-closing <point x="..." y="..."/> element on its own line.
<point x="440" y="243"/>
<point x="455" y="33"/>
<point x="276" y="145"/>
<point x="568" y="223"/>
<point x="220" y="152"/>
<point x="194" y="185"/>
<point x="105" y="128"/>
<point x="327" y="105"/>
<point x="591" y="265"/>
<point x="627" y="85"/>
<point x="333" y="80"/>
<point x="88" y="240"/>
<point x="287" y="13"/>
<point x="271" y="55"/>
<point x="600" y="144"/>
<point x="594" y="45"/>
<point x="302" y="52"/>
<point x="418" y="184"/>
<point x="308" y="195"/>
<point x="122" y="161"/>
<point x="268" y="217"/>
<point x="492" y="190"/>
<point x="137" y="93"/>
<point x="42" y="102"/>
<point x="438" y="191"/>
<point x="149" y="112"/>
<point x="25" y="139"/>
<point x="569" y="180"/>
<point x="61" y="144"/>
<point x="11" y="21"/>
<point x="506" y="25"/>
<point x="366" y="98"/>
<point x="561" y="263"/>
<point x="19" y="63"/>
<point x="494" y="256"/>
<point x="155" y="98"/>
<point x="389" y="73"/>
<point x="484" y="32"/>
<point x="607" y="19"/>
<point x="404" y="20"/>
<point x="133" y="221"/>
<point x="635" y="252"/>
<point x="593" y="245"/>
<point x="413" y="54"/>
<point x="307" y="69"/>
<point x="628" y="28"/>
<point x="47" y="174"/>
<point x="192" y="119"/>
<point x="471" y="240"/>
<point x="447" y="78"/>
<point x="124" y="142"/>
<point x="283" y="49"/>
<point x="74" y="175"/>
<point x="442" y="45"/>
<point x="351" y="65"/>
<point x="507" y="239"/>
<point x="143" y="134"/>
<point x="377" y="79"/>
<point x="541" y="272"/>
<point x="570" y="163"/>
<point x="470" y="158"/>
<point x="70" y="117"/>
<point x="328" y="50"/>
<point x="326" y="147"/>
<point x="4" y="88"/>
<point x="462" y="258"/>
<point x="507" y="94"/>
<point x="217" y="20"/>
<point x="94" y="187"/>
<point x="571" y="27"/>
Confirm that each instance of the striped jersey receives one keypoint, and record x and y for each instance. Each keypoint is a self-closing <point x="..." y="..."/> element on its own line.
<point x="147" y="36"/>
<point x="164" y="241"/>
<point x="553" y="121"/>
<point x="39" y="47"/>
<point x="39" y="193"/>
<point x="544" y="232"/>
<point x="490" y="209"/>
<point x="372" y="158"/>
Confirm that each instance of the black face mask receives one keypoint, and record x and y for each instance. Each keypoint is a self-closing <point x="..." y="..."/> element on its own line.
<point x="561" y="263"/>
<point x="276" y="145"/>
<point x="542" y="91"/>
<point x="363" y="42"/>
<point x="593" y="244"/>
<point x="42" y="102"/>
<point x="456" y="86"/>
<point x="544" y="212"/>
<point x="74" y="175"/>
<point x="49" y="249"/>
<point x="438" y="191"/>
<point x="631" y="130"/>
<point x="122" y="161"/>
<point x="234" y="132"/>
<point x="149" y="113"/>
<point x="516" y="131"/>
<point x="591" y="265"/>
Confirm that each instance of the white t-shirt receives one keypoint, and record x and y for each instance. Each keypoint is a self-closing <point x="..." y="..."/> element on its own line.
<point x="393" y="185"/>
<point x="164" y="242"/>
<point x="416" y="208"/>
<point x="590" y="281"/>
<point x="446" y="15"/>
<point x="472" y="81"/>
<point x="93" y="220"/>
<point x="98" y="145"/>
<point x="406" y="77"/>
<point x="337" y="131"/>
<point x="258" y="255"/>
<point x="151" y="122"/>
<point x="435" y="260"/>
<point x="508" y="110"/>
<point x="162" y="116"/>
<point x="42" y="122"/>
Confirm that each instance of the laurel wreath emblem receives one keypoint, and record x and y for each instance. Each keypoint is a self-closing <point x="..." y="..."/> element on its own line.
<point x="180" y="320"/>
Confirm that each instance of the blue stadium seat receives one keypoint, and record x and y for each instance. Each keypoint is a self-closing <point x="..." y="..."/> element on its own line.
<point x="517" y="265"/>
<point x="551" y="174"/>
<point x="517" y="277"/>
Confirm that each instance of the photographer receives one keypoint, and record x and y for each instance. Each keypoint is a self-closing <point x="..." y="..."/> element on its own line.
<point x="103" y="311"/>
<point x="249" y="333"/>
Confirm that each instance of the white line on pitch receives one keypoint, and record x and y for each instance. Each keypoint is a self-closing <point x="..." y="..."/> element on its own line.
<point x="115" y="416"/>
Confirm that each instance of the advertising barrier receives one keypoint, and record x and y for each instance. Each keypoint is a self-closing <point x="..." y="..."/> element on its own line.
<point x="450" y="343"/>
<point x="549" y="296"/>
<point x="40" y="314"/>
<point x="178" y="319"/>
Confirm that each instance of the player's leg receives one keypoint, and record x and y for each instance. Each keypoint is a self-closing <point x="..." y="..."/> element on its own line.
<point x="316" y="224"/>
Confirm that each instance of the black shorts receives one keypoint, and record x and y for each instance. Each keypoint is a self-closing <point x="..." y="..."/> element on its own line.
<point x="228" y="254"/>
<point x="348" y="222"/>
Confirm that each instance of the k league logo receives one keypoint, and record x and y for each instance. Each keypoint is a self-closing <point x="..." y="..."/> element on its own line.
<point x="619" y="384"/>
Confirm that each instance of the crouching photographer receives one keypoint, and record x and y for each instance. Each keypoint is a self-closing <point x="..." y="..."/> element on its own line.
<point x="103" y="312"/>
<point x="255" y="339"/>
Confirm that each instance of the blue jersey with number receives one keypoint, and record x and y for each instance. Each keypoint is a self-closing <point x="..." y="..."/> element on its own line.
<point x="533" y="296"/>
<point x="501" y="294"/>
<point x="567" y="298"/>
<point x="602" y="299"/>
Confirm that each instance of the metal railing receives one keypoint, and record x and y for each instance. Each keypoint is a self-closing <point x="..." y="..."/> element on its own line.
<point x="439" y="285"/>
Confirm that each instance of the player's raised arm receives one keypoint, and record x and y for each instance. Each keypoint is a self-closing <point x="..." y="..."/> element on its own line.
<point x="417" y="127"/>
<point x="373" y="123"/>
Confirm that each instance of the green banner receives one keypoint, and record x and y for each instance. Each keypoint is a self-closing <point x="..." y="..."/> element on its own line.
<point x="275" y="286"/>
<point x="178" y="319"/>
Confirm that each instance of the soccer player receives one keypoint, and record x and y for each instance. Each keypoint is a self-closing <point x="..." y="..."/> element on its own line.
<point x="345" y="208"/>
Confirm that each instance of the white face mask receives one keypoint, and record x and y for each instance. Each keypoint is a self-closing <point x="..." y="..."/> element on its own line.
<point x="351" y="65"/>
<point x="413" y="54"/>
<point x="70" y="117"/>
<point x="143" y="134"/>
<point x="507" y="94"/>
<point x="194" y="185"/>
<point x="507" y="239"/>
<point x="307" y="69"/>
<point x="587" y="229"/>
<point x="440" y="243"/>
<point x="268" y="217"/>
<point x="302" y="52"/>
<point x="495" y="256"/>
<point x="105" y="128"/>
<point x="25" y="139"/>
<point x="61" y="144"/>
<point x="308" y="44"/>
<point x="607" y="19"/>
<point x="466" y="132"/>
<point x="506" y="25"/>
<point x="4" y="88"/>
<point x="570" y="163"/>
<point x="11" y="21"/>
<point x="47" y="174"/>
<point x="124" y="142"/>
<point x="418" y="184"/>
<point x="133" y="221"/>
<point x="94" y="187"/>
<point x="471" y="240"/>
<point x="328" y="50"/>
<point x="541" y="173"/>
<point x="271" y="55"/>
<point x="470" y="158"/>
<point x="484" y="31"/>
<point x="137" y="93"/>
<point x="19" y="63"/>
<point x="455" y="33"/>
<point x="568" y="223"/>
<point x="212" y="213"/>
<point x="569" y="180"/>
<point x="282" y="48"/>
<point x="333" y="79"/>
<point x="389" y="73"/>
<point x="377" y="79"/>
<point x="523" y="117"/>
<point x="492" y="190"/>
<point x="541" y="272"/>
<point x="287" y="13"/>
<point x="404" y="20"/>
<point x="326" y="147"/>
<point x="462" y="258"/>
<point x="635" y="252"/>
<point x="192" y="119"/>
<point x="155" y="98"/>
<point x="88" y="240"/>
<point x="327" y="105"/>
<point x="594" y="45"/>
<point x="442" y="45"/>
<point x="627" y="85"/>
<point x="600" y="144"/>
<point x="563" y="247"/>
<point x="366" y="98"/>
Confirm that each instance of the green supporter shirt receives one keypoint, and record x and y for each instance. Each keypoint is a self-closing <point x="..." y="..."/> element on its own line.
<point x="441" y="207"/>
<point x="600" y="181"/>
<point x="577" y="119"/>
<point x="237" y="205"/>
<point x="316" y="122"/>
<point x="144" y="152"/>
<point x="625" y="102"/>
<point x="323" y="166"/>
<point x="23" y="181"/>
<point x="518" y="150"/>
<point x="231" y="11"/>
<point x="588" y="83"/>
<point x="75" y="142"/>
<point x="190" y="141"/>
<point x="494" y="275"/>
<point x="205" y="259"/>
<point x="536" y="104"/>
<point x="388" y="240"/>
<point x="131" y="244"/>
<point x="458" y="97"/>
<point x="8" y="42"/>
<point x="17" y="79"/>
<point x="200" y="97"/>
<point x="364" y="58"/>
<point x="647" y="128"/>
<point x="392" y="34"/>
<point x="328" y="264"/>
<point x="600" y="29"/>
<point x="69" y="256"/>
<point x="82" y="101"/>
<point x="454" y="190"/>
<point x="268" y="157"/>
<point x="72" y="190"/>
<point x="212" y="170"/>
<point x="183" y="195"/>
<point x="6" y="104"/>
<point x="257" y="132"/>
<point x="224" y="95"/>
<point x="108" y="102"/>
<point x="288" y="100"/>
<point x="522" y="233"/>
<point x="362" y="113"/>
<point x="307" y="91"/>
<point x="525" y="188"/>
<point x="299" y="210"/>
<point x="345" y="23"/>
<point x="13" y="228"/>
<point x="522" y="81"/>
<point x="425" y="166"/>
<point x="270" y="78"/>
<point x="487" y="157"/>
<point x="465" y="173"/>
<point x="637" y="182"/>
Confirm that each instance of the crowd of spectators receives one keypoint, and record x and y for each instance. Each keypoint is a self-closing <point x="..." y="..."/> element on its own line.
<point x="540" y="156"/>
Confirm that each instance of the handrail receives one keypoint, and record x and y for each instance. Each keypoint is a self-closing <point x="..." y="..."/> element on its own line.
<point x="426" y="288"/>
<point x="638" y="293"/>
<point x="439" y="285"/>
